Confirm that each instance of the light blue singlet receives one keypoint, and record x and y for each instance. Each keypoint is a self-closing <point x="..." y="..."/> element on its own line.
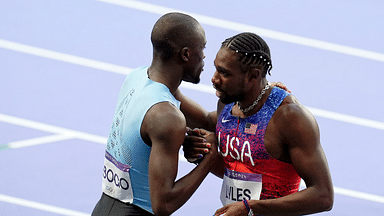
<point x="125" y="148"/>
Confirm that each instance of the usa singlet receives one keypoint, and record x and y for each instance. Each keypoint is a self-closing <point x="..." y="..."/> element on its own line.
<point x="250" y="172"/>
<point x="125" y="173"/>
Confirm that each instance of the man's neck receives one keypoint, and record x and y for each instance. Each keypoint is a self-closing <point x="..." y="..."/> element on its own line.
<point x="167" y="75"/>
<point x="260" y="89"/>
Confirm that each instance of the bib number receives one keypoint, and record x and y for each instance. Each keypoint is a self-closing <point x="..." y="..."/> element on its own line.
<point x="116" y="180"/>
<point x="238" y="185"/>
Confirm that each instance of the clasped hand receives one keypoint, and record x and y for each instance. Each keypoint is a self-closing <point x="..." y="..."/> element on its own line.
<point x="198" y="143"/>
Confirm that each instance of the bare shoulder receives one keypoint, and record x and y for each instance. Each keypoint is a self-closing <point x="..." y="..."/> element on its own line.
<point x="291" y="110"/>
<point x="295" y="122"/>
<point x="161" y="122"/>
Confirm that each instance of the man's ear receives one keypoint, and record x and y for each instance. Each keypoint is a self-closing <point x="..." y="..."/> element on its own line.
<point x="184" y="54"/>
<point x="254" y="73"/>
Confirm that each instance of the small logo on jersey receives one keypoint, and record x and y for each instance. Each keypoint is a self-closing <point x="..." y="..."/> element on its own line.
<point x="224" y="120"/>
<point x="250" y="128"/>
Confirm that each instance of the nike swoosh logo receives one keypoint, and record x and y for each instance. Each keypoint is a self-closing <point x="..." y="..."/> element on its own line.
<point x="224" y="120"/>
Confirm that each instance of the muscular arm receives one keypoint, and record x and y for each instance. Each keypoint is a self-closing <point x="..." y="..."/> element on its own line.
<point x="164" y="128"/>
<point x="295" y="128"/>
<point x="196" y="115"/>
<point x="218" y="169"/>
<point x="299" y="132"/>
<point x="201" y="117"/>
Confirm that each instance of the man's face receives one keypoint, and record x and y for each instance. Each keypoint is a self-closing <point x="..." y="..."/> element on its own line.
<point x="196" y="58"/>
<point x="228" y="80"/>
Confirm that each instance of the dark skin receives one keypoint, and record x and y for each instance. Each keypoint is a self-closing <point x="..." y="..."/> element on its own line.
<point x="168" y="195"/>
<point x="291" y="136"/>
<point x="164" y="125"/>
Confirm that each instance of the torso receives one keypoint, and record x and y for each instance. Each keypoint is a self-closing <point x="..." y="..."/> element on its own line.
<point x="273" y="140"/>
<point x="127" y="154"/>
<point x="270" y="157"/>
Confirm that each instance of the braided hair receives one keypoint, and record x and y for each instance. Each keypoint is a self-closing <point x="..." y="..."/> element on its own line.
<point x="252" y="50"/>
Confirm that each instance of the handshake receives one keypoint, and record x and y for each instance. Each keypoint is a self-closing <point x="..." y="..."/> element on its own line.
<point x="198" y="143"/>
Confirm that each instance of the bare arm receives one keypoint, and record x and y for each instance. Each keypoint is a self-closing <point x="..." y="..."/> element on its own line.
<point x="196" y="115"/>
<point x="299" y="132"/>
<point x="194" y="145"/>
<point x="218" y="169"/>
<point x="164" y="126"/>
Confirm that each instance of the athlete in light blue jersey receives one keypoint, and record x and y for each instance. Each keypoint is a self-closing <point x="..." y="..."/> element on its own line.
<point x="125" y="145"/>
<point x="148" y="129"/>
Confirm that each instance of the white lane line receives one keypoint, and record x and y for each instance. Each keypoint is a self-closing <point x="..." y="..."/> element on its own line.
<point x="52" y="129"/>
<point x="239" y="27"/>
<point x="352" y="193"/>
<point x="359" y="195"/>
<point x="63" y="134"/>
<point x="347" y="118"/>
<point x="40" y="206"/>
<point x="35" y="141"/>
<point x="18" y="47"/>
<point x="205" y="88"/>
<point x="102" y="140"/>
<point x="63" y="57"/>
<point x="199" y="87"/>
<point x="84" y="62"/>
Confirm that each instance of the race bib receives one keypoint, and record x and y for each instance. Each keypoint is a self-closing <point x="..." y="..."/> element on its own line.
<point x="116" y="179"/>
<point x="238" y="185"/>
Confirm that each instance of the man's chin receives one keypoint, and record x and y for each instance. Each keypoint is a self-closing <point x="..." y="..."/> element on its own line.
<point x="193" y="81"/>
<point x="226" y="100"/>
<point x="230" y="99"/>
<point x="196" y="81"/>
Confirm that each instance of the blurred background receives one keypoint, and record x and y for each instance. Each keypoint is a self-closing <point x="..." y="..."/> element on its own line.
<point x="62" y="63"/>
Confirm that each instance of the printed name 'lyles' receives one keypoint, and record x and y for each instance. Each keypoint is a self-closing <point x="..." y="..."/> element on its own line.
<point x="240" y="192"/>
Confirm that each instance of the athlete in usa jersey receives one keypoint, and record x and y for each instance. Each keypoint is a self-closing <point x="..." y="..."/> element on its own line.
<point x="242" y="146"/>
<point x="268" y="140"/>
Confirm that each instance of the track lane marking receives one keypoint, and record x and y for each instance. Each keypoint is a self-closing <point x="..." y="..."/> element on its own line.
<point x="103" y="140"/>
<point x="198" y="87"/>
<point x="40" y="206"/>
<point x="35" y="141"/>
<point x="240" y="27"/>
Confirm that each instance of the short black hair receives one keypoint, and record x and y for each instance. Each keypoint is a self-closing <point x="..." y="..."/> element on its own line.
<point x="172" y="32"/>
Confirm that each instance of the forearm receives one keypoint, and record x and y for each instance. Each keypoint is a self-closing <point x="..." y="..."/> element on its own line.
<point x="181" y="190"/>
<point x="197" y="117"/>
<point x="308" y="201"/>
<point x="195" y="114"/>
<point x="218" y="168"/>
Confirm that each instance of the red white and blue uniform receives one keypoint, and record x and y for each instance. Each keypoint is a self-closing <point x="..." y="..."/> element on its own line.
<point x="247" y="162"/>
